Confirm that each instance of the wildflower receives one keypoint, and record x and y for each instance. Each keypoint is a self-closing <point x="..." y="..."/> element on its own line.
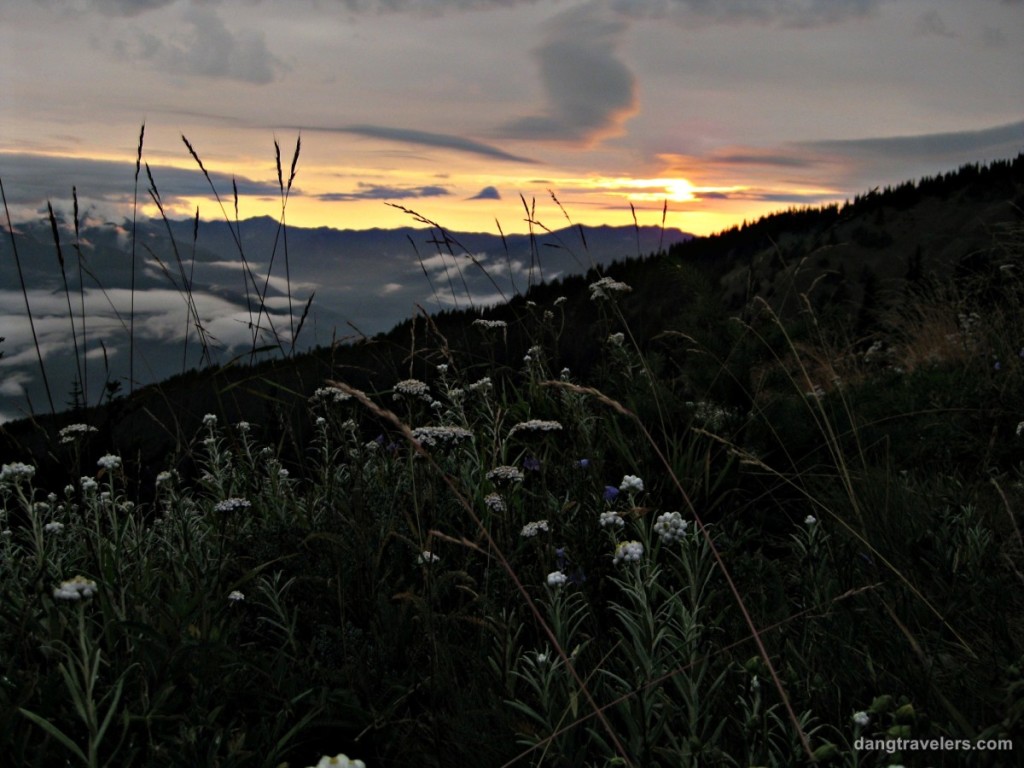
<point x="810" y="520"/>
<point x="53" y="527"/>
<point x="606" y="287"/>
<point x="164" y="477"/>
<point x="442" y="368"/>
<point x="320" y="421"/>
<point x="16" y="471"/>
<point x="557" y="579"/>
<point x="564" y="374"/>
<point x="531" y="463"/>
<point x="426" y="557"/>
<point x="75" y="589"/>
<point x="243" y="427"/>
<point x="1020" y="428"/>
<point x="411" y="388"/>
<point x="560" y="300"/>
<point x="329" y="395"/>
<point x="630" y="551"/>
<point x="283" y="473"/>
<point x="341" y="761"/>
<point x="611" y="518"/>
<point x="236" y="596"/>
<point x="542" y="658"/>
<point x="109" y="462"/>
<point x="483" y="385"/>
<point x="533" y="528"/>
<point x="861" y="719"/>
<point x="209" y="420"/>
<point x="616" y="339"/>
<point x="631" y="483"/>
<point x="610" y="492"/>
<point x="505" y="474"/>
<point x="490" y="325"/>
<point x="232" y="505"/>
<point x="494" y="502"/>
<point x="535" y="425"/>
<point x="582" y="464"/>
<point x="435" y="436"/>
<point x="72" y="431"/>
<point x="88" y="484"/>
<point x="671" y="527"/>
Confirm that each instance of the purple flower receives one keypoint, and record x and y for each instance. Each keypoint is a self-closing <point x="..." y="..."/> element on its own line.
<point x="584" y="463"/>
<point x="560" y="558"/>
<point x="610" y="492"/>
<point x="531" y="463"/>
<point x="998" y="366"/>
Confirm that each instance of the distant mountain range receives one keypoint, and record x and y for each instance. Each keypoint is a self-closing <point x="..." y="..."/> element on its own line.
<point x="217" y="276"/>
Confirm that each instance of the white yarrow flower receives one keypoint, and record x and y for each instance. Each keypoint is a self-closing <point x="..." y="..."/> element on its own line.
<point x="533" y="528"/>
<point x="75" y="589"/>
<point x="557" y="579"/>
<point x="611" y="518"/>
<point x="53" y="527"/>
<point x="231" y="505"/>
<point x="631" y="483"/>
<point x="861" y="719"/>
<point x="236" y="596"/>
<point x="109" y="462"/>
<point x="426" y="557"/>
<point x="671" y="527"/>
<point x="338" y="761"/>
<point x="810" y="520"/>
<point x="628" y="551"/>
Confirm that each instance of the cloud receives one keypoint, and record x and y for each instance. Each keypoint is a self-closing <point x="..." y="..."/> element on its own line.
<point x="487" y="193"/>
<point x="31" y="180"/>
<point x="788" y="13"/>
<point x="383" y="192"/>
<point x="588" y="91"/>
<point x="209" y="49"/>
<point x="426" y="139"/>
<point x="992" y="143"/>
<point x="931" y="24"/>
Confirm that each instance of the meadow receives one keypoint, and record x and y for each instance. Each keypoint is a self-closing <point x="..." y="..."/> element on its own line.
<point x="627" y="519"/>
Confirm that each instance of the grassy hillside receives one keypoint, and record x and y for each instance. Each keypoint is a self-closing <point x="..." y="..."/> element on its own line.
<point x="748" y="502"/>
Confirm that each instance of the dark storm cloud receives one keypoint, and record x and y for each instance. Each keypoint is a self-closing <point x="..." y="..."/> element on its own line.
<point x="792" y="13"/>
<point x="425" y="139"/>
<point x="34" y="179"/>
<point x="383" y="192"/>
<point x="998" y="142"/>
<point x="588" y="91"/>
<point x="487" y="193"/>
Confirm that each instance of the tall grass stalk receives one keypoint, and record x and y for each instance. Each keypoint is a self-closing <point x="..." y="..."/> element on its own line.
<point x="24" y="294"/>
<point x="67" y="295"/>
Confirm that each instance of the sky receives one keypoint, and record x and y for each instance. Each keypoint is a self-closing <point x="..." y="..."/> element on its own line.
<point x="716" y="111"/>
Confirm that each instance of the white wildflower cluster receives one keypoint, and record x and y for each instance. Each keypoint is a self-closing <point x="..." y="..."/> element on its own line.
<point x="531" y="529"/>
<point x="329" y="395"/>
<point x="88" y="484"/>
<point x="607" y="287"/>
<point x="209" y="420"/>
<point x="441" y="436"/>
<point x="232" y="505"/>
<point x="560" y="301"/>
<point x="611" y="518"/>
<point x="75" y="589"/>
<point x="165" y="477"/>
<point x="490" y="325"/>
<point x="616" y="339"/>
<point x="17" y="471"/>
<point x="535" y="425"/>
<point x="484" y="385"/>
<point x="818" y="392"/>
<point x="874" y="351"/>
<point x="495" y="503"/>
<point x="810" y="520"/>
<point x="110" y="462"/>
<point x="426" y="557"/>
<point x="671" y="527"/>
<point x="631" y="483"/>
<point x="236" y="596"/>
<point x="628" y="551"/>
<point x="505" y="474"/>
<point x="557" y="579"/>
<point x="412" y="388"/>
<point x="53" y="527"/>
<point x="710" y="414"/>
<point x="72" y="432"/>
<point x="861" y="719"/>
<point x="244" y="427"/>
<point x="338" y="761"/>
